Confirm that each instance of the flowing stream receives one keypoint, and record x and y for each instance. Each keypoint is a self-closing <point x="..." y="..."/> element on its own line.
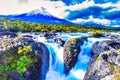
<point x="56" y="68"/>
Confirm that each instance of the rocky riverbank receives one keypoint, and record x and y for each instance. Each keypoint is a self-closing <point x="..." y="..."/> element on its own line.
<point x="103" y="64"/>
<point x="105" y="61"/>
<point x="37" y="61"/>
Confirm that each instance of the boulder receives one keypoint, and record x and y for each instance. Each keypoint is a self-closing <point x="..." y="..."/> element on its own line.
<point x="8" y="33"/>
<point x="42" y="65"/>
<point x="102" y="46"/>
<point x="112" y="36"/>
<point x="49" y="35"/>
<point x="110" y="77"/>
<point x="71" y="51"/>
<point x="105" y="60"/>
<point x="39" y="69"/>
<point x="59" y="41"/>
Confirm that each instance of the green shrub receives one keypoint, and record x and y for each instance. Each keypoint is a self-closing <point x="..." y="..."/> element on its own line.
<point x="17" y="59"/>
<point x="117" y="74"/>
<point x="118" y="50"/>
<point x="96" y="33"/>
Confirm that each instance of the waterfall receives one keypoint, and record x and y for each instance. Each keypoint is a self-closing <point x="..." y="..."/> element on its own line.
<point x="56" y="69"/>
<point x="56" y="64"/>
<point x="78" y="71"/>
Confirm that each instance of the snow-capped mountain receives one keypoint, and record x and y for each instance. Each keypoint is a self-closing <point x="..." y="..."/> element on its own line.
<point x="37" y="16"/>
<point x="39" y="11"/>
<point x="40" y="15"/>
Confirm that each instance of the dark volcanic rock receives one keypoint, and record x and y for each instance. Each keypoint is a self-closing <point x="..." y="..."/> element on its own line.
<point x="102" y="46"/>
<point x="39" y="69"/>
<point x="112" y="36"/>
<point x="104" y="61"/>
<point x="71" y="51"/>
<point x="14" y="76"/>
<point x="59" y="41"/>
<point x="7" y="33"/>
<point x="49" y="35"/>
<point x="43" y="61"/>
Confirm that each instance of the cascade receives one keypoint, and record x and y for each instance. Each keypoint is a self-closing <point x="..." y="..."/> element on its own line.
<point x="56" y="69"/>
<point x="56" y="62"/>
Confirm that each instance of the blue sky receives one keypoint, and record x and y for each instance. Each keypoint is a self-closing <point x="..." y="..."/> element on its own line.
<point x="106" y="12"/>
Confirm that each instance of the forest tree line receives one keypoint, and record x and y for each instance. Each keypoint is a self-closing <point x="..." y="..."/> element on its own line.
<point x="24" y="26"/>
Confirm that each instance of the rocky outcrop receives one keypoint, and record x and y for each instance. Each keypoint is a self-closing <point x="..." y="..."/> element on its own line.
<point x="102" y="46"/>
<point x="49" y="35"/>
<point x="111" y="77"/>
<point x="105" y="60"/>
<point x="42" y="65"/>
<point x="112" y="36"/>
<point x="39" y="69"/>
<point x="71" y="51"/>
<point x="59" y="41"/>
<point x="8" y="33"/>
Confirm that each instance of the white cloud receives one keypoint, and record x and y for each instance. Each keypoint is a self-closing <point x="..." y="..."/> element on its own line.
<point x="116" y="7"/>
<point x="116" y="26"/>
<point x="91" y="3"/>
<point x="83" y="5"/>
<point x="55" y="8"/>
<point x="91" y="19"/>
<point x="14" y="7"/>
<point x="106" y="5"/>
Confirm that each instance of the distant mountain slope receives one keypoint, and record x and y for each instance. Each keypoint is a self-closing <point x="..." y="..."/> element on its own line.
<point x="37" y="16"/>
<point x="92" y="24"/>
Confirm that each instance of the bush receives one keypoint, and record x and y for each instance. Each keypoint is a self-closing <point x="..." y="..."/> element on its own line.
<point x="17" y="59"/>
<point x="118" y="50"/>
<point x="97" y="33"/>
<point x="117" y="74"/>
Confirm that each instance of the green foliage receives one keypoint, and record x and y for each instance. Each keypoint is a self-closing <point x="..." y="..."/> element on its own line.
<point x="4" y="68"/>
<point x="23" y="26"/>
<point x="115" y="70"/>
<point x="98" y="58"/>
<point x="105" y="74"/>
<point x="118" y="50"/>
<point x="17" y="59"/>
<point x="117" y="74"/>
<point x="97" y="33"/>
<point x="73" y="40"/>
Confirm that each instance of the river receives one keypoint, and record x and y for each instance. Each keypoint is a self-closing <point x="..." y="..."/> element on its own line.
<point x="56" y="68"/>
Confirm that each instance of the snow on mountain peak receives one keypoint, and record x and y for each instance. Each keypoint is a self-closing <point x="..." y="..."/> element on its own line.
<point x="39" y="11"/>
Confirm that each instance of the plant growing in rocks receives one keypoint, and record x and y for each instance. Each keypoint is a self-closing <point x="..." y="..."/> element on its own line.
<point x="118" y="50"/>
<point x="97" y="33"/>
<point x="117" y="74"/>
<point x="16" y="59"/>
